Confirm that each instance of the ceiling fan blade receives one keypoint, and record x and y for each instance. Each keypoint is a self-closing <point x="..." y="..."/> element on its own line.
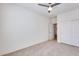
<point x="43" y="5"/>
<point x="55" y="4"/>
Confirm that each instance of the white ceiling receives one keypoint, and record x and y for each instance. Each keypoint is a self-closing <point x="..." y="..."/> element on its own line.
<point x="64" y="7"/>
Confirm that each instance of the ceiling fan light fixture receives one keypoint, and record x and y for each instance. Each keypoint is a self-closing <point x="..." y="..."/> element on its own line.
<point x="50" y="8"/>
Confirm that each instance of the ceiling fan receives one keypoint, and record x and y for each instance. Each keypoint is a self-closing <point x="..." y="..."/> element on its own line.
<point x="49" y="6"/>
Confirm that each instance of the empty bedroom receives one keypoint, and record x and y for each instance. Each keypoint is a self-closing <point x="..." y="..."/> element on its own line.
<point x="39" y="29"/>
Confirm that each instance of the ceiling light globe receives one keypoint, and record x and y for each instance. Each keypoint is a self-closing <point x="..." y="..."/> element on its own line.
<point x="50" y="8"/>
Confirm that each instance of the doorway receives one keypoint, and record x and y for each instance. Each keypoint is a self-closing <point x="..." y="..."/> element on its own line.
<point x="55" y="31"/>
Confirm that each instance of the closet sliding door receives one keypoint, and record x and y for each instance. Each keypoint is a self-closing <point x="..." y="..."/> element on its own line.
<point x="75" y="32"/>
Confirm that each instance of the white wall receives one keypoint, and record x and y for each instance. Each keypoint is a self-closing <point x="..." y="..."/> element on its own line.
<point x="54" y="20"/>
<point x="68" y="27"/>
<point x="20" y="28"/>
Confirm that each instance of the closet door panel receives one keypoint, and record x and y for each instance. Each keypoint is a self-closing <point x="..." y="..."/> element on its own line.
<point x="75" y="32"/>
<point x="66" y="32"/>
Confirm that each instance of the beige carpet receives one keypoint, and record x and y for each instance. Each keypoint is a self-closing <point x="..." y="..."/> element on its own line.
<point x="49" y="48"/>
